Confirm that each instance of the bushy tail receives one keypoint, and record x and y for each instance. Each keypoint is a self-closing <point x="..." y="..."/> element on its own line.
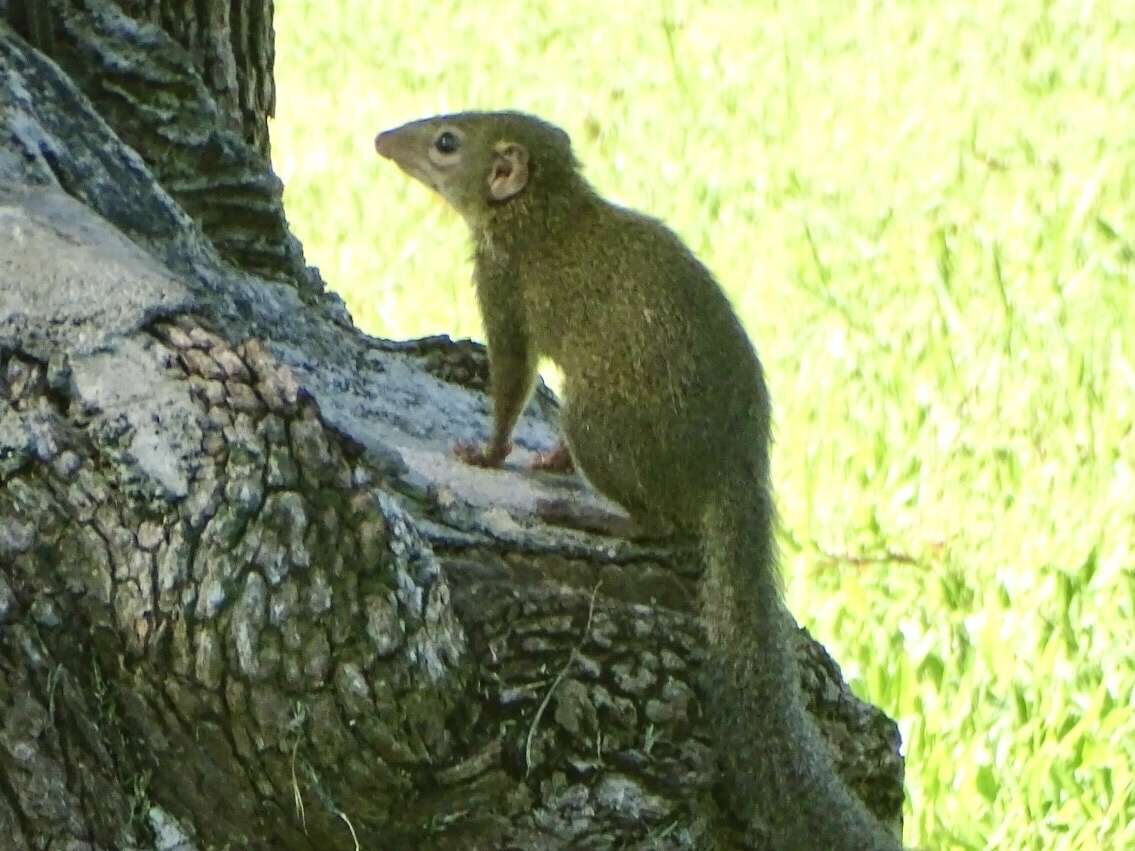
<point x="778" y="765"/>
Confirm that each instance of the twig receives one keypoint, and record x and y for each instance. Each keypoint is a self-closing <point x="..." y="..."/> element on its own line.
<point x="350" y="827"/>
<point x="885" y="557"/>
<point x="559" y="678"/>
<point x="296" y="796"/>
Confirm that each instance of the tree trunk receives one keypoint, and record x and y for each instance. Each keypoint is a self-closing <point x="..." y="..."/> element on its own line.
<point x="247" y="596"/>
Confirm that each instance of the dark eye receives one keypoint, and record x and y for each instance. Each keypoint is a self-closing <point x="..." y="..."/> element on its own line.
<point x="447" y="142"/>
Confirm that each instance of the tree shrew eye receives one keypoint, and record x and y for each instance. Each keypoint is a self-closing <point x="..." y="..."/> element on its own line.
<point x="447" y="142"/>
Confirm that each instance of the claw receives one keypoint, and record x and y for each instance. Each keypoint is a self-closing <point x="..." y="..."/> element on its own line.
<point x="482" y="454"/>
<point x="559" y="460"/>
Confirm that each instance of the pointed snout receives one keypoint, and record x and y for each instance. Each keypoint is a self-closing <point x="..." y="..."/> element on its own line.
<point x="384" y="143"/>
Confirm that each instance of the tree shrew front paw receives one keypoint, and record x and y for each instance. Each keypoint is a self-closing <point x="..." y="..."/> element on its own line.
<point x="482" y="454"/>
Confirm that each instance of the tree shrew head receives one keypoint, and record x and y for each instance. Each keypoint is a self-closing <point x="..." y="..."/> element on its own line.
<point x="479" y="161"/>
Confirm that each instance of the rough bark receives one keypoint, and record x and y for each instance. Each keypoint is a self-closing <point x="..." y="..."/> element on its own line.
<point x="247" y="596"/>
<point x="232" y="46"/>
<point x="194" y="102"/>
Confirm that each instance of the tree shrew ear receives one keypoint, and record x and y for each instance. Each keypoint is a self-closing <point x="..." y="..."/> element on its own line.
<point x="509" y="171"/>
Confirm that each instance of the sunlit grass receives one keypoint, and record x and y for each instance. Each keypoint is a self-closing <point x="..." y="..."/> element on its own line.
<point x="925" y="214"/>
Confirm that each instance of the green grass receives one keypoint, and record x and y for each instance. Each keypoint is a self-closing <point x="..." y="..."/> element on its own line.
<point x="925" y="214"/>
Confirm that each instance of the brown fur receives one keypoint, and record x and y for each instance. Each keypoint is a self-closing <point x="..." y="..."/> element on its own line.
<point x="666" y="411"/>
